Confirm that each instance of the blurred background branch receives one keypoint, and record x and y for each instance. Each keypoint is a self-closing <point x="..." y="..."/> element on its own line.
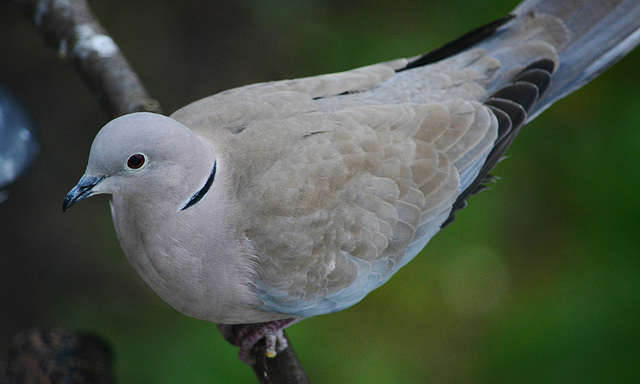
<point x="57" y="356"/>
<point x="71" y="29"/>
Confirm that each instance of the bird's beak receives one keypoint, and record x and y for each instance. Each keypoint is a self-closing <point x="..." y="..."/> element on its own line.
<point x="83" y="189"/>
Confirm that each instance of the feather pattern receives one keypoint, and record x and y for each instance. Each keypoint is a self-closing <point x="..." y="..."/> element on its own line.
<point x="344" y="178"/>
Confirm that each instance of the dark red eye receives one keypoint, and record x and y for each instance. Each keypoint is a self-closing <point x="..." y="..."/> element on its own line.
<point x="136" y="161"/>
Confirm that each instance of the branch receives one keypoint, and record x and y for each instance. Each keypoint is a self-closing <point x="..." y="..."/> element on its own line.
<point x="285" y="368"/>
<point x="57" y="356"/>
<point x="71" y="28"/>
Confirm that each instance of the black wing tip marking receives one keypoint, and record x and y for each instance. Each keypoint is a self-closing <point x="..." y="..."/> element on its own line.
<point x="458" y="45"/>
<point x="511" y="105"/>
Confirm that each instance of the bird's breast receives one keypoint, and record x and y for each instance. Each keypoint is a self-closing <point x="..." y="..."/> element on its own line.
<point x="196" y="269"/>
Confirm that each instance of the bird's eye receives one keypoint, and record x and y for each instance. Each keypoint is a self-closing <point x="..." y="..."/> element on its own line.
<point x="136" y="161"/>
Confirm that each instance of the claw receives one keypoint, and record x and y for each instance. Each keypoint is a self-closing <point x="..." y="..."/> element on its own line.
<point x="275" y="343"/>
<point x="246" y="336"/>
<point x="270" y="342"/>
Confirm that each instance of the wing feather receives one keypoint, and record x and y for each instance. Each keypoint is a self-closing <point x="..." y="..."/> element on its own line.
<point x="366" y="187"/>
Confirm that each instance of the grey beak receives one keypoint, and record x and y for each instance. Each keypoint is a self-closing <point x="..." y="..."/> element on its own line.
<point x="83" y="189"/>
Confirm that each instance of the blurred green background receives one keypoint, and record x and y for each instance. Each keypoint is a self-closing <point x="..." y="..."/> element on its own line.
<point x="538" y="281"/>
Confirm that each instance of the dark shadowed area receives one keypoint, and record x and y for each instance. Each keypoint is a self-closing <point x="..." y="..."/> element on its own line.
<point x="537" y="281"/>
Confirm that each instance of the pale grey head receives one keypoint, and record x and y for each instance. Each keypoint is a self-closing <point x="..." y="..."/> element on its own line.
<point x="139" y="155"/>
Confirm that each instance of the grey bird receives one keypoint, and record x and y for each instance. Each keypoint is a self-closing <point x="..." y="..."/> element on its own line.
<point x="279" y="201"/>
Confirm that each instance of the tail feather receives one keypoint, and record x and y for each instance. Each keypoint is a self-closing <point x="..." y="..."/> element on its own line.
<point x="600" y="33"/>
<point x="576" y="40"/>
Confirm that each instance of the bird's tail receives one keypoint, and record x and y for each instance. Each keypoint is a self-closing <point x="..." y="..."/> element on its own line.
<point x="545" y="50"/>
<point x="595" y="35"/>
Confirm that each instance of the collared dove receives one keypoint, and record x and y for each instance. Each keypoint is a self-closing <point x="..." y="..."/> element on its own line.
<point x="278" y="201"/>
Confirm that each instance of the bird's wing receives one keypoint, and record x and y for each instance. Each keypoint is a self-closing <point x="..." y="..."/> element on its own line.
<point x="344" y="199"/>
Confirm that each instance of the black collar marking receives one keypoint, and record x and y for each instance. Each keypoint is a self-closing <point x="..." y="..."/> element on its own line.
<point x="203" y="191"/>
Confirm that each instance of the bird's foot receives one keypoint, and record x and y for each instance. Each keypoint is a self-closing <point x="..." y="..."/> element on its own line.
<point x="246" y="336"/>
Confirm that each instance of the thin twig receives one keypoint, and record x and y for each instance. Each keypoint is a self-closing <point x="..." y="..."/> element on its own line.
<point x="71" y="28"/>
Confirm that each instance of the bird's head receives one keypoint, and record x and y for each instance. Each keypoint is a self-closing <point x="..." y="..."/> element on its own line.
<point x="144" y="154"/>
